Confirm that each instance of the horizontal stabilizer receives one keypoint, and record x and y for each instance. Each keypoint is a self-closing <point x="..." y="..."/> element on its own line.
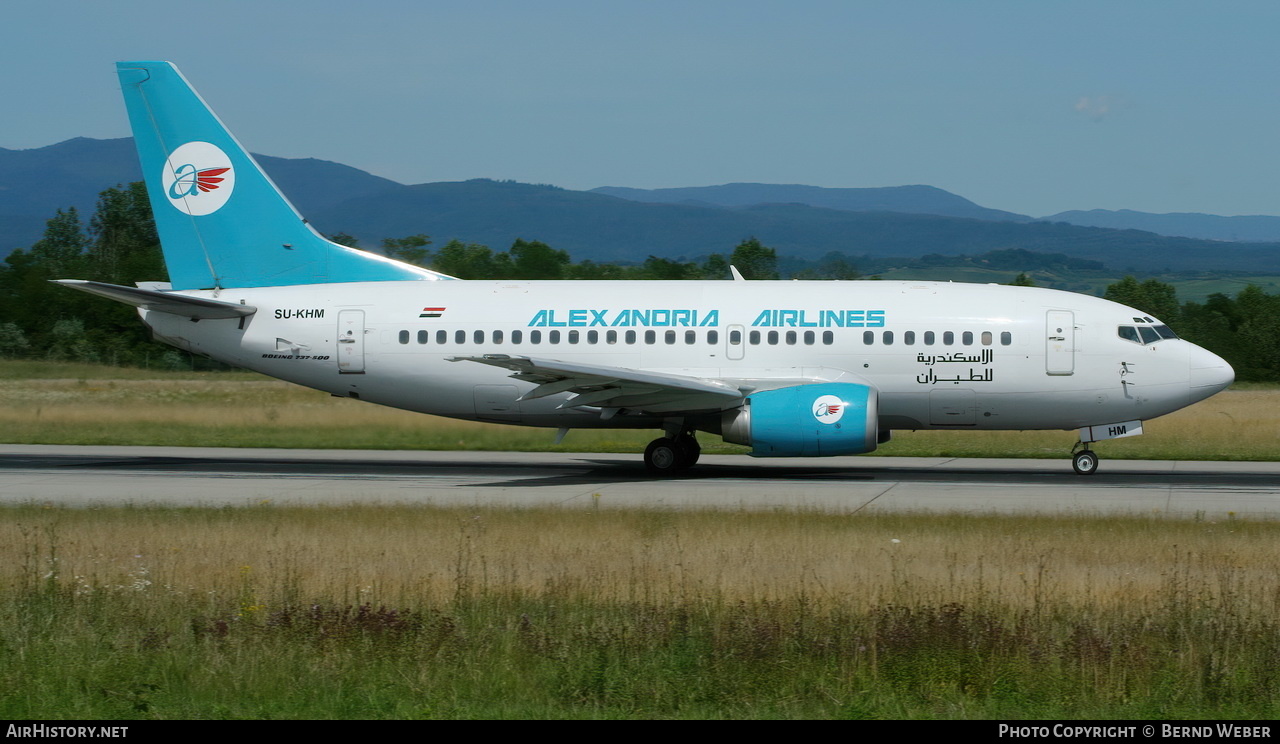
<point x="196" y="308"/>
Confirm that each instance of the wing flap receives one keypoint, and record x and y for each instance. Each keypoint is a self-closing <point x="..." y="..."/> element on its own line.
<point x="612" y="387"/>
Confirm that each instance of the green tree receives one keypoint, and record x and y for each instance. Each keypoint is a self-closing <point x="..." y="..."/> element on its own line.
<point x="666" y="268"/>
<point x="591" y="270"/>
<point x="411" y="249"/>
<point x="125" y="247"/>
<point x="1153" y="297"/>
<point x="755" y="261"/>
<point x="468" y="261"/>
<point x="342" y="238"/>
<point x="62" y="249"/>
<point x="13" y="342"/>
<point x="1022" y="280"/>
<point x="716" y="267"/>
<point x="537" y="260"/>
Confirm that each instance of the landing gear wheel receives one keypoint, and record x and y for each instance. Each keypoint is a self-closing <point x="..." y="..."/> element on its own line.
<point x="664" y="457"/>
<point x="1085" y="462"/>
<point x="692" y="450"/>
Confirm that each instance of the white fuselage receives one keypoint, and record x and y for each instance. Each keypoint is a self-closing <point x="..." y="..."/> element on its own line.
<point x="941" y="355"/>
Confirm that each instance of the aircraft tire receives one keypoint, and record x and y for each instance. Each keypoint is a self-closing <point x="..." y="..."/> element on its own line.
<point x="1085" y="462"/>
<point x="664" y="457"/>
<point x="692" y="450"/>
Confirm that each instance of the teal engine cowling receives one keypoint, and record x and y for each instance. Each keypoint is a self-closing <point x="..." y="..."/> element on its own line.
<point x="818" y="420"/>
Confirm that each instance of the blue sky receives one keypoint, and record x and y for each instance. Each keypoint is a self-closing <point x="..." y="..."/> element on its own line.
<point x="1031" y="106"/>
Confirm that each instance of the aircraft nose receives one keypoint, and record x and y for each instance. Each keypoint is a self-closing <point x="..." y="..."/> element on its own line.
<point x="1209" y="372"/>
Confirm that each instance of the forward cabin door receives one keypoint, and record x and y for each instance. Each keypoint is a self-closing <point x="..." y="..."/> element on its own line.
<point x="351" y="342"/>
<point x="1060" y="342"/>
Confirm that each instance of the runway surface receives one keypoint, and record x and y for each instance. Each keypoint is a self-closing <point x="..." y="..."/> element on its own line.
<point x="87" y="476"/>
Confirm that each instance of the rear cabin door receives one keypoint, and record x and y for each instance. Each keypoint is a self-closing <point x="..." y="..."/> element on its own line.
<point x="351" y="342"/>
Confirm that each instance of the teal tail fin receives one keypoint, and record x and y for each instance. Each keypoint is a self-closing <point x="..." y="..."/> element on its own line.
<point x="222" y="222"/>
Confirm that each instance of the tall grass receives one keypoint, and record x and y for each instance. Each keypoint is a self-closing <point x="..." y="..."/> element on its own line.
<point x="439" y="612"/>
<point x="38" y="406"/>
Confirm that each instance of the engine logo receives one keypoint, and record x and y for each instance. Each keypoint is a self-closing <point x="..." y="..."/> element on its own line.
<point x="828" y="409"/>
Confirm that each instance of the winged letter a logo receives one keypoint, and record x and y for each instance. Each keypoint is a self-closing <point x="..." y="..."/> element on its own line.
<point x="198" y="178"/>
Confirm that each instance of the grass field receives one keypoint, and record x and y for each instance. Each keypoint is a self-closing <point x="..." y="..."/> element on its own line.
<point x="58" y="404"/>
<point x="404" y="612"/>
<point x="430" y="612"/>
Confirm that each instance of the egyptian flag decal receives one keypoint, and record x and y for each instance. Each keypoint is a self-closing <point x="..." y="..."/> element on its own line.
<point x="431" y="312"/>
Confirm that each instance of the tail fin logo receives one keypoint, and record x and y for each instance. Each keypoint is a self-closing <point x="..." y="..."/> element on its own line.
<point x="828" y="409"/>
<point x="198" y="178"/>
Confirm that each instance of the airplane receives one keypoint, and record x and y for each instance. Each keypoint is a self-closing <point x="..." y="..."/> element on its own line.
<point x="787" y="368"/>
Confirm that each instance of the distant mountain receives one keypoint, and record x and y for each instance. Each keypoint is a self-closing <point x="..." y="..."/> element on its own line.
<point x="603" y="227"/>
<point x="905" y="199"/>
<point x="1249" y="228"/>
<point x="35" y="183"/>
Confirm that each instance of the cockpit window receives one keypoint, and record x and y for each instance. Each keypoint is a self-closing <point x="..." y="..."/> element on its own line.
<point x="1145" y="334"/>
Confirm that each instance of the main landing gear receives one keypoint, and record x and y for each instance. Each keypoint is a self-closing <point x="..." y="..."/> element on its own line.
<point x="667" y="456"/>
<point x="1084" y="461"/>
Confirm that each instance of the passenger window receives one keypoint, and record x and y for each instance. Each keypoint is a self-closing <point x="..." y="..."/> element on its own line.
<point x="986" y="338"/>
<point x="929" y="338"/>
<point x="631" y="337"/>
<point x="713" y="337"/>
<point x="909" y="338"/>
<point x="404" y="337"/>
<point x="753" y="338"/>
<point x="497" y="337"/>
<point x="888" y="338"/>
<point x="670" y="337"/>
<point x="773" y="338"/>
<point x="691" y="337"/>
<point x="423" y="336"/>
<point x="650" y="337"/>
<point x="809" y="338"/>
<point x="948" y="338"/>
<point x="1006" y="338"/>
<point x="517" y="336"/>
<point x="611" y="337"/>
<point x="868" y="337"/>
<point x="553" y="337"/>
<point x="442" y="337"/>
<point x="791" y="338"/>
<point x="573" y="337"/>
<point x="535" y="337"/>
<point x="593" y="337"/>
<point x="967" y="338"/>
<point x="459" y="337"/>
<point x="478" y="336"/>
<point x="735" y="338"/>
<point x="828" y="337"/>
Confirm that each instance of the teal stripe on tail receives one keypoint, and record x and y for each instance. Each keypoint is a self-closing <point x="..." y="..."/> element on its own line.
<point x="222" y="221"/>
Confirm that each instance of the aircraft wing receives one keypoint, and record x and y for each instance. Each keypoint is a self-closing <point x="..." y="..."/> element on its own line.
<point x="614" y="387"/>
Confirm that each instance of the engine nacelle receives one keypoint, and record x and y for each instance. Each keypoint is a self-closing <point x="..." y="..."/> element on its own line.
<point x="818" y="420"/>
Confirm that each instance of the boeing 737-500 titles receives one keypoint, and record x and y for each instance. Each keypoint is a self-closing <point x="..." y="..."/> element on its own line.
<point x="787" y="368"/>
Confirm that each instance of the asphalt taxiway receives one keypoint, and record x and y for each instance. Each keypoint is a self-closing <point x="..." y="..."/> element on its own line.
<point x="88" y="476"/>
